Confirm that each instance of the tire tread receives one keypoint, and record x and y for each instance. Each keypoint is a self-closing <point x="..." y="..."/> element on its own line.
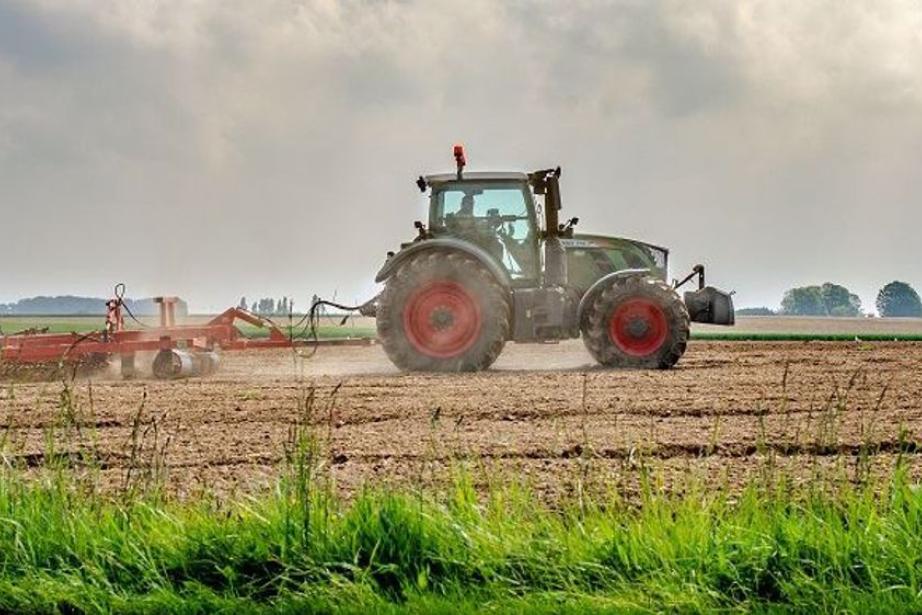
<point x="595" y="326"/>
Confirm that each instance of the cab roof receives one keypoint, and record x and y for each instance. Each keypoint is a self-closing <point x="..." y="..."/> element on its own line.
<point x="473" y="176"/>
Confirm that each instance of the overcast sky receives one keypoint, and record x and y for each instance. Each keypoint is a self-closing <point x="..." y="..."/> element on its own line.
<point x="216" y="148"/>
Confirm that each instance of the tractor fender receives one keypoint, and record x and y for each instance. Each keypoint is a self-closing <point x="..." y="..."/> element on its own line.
<point x="445" y="243"/>
<point x="603" y="282"/>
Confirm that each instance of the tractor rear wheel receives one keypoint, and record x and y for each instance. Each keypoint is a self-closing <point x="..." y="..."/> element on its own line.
<point x="638" y="322"/>
<point x="443" y="311"/>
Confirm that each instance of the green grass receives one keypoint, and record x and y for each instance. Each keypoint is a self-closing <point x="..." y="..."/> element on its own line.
<point x="301" y="550"/>
<point x="54" y="324"/>
<point x="328" y="328"/>
<point x="324" y="331"/>
<point x="68" y="546"/>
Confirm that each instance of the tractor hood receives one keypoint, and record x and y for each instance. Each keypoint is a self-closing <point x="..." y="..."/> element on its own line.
<point x="606" y="241"/>
<point x="589" y="257"/>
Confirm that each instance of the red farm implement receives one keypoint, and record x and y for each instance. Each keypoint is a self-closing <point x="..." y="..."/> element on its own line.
<point x="181" y="350"/>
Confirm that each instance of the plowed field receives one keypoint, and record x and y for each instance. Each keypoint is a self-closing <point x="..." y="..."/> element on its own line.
<point x="730" y="410"/>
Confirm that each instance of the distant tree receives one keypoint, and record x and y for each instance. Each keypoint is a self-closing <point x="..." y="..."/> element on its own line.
<point x="899" y="299"/>
<point x="804" y="301"/>
<point x="839" y="301"/>
<point x="71" y="305"/>
<point x="254" y="308"/>
<point x="243" y="303"/>
<point x="826" y="300"/>
<point x="855" y="301"/>
<point x="59" y="305"/>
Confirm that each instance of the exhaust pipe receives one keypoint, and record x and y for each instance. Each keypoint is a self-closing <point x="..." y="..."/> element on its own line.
<point x="547" y="182"/>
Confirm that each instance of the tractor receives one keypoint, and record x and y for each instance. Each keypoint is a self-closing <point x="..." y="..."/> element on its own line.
<point x="483" y="272"/>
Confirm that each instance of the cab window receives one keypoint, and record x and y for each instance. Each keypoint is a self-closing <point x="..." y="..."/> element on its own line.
<point x="497" y="216"/>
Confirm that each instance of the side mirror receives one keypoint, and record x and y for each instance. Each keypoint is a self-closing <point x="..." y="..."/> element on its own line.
<point x="566" y="230"/>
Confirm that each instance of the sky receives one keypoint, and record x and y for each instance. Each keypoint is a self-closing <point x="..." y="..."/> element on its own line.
<point x="218" y="148"/>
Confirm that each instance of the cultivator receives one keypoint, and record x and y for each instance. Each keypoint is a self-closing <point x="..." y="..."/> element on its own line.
<point x="181" y="350"/>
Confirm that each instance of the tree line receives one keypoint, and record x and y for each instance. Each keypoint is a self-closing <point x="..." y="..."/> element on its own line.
<point x="268" y="306"/>
<point x="896" y="299"/>
<point x="75" y="305"/>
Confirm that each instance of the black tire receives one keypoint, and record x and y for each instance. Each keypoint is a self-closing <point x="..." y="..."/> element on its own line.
<point x="443" y="311"/>
<point x="638" y="322"/>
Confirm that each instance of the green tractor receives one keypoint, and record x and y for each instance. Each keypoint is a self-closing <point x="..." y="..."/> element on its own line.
<point x="484" y="272"/>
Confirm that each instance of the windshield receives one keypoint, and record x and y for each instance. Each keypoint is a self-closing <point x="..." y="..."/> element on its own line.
<point x="638" y="256"/>
<point x="481" y="200"/>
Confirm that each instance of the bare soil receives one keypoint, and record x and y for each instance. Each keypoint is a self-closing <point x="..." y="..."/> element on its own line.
<point x="728" y="412"/>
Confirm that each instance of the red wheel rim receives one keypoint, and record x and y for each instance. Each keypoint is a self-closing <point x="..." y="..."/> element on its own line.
<point x="442" y="319"/>
<point x="638" y="327"/>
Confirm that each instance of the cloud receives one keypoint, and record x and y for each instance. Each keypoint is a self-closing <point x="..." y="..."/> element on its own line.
<point x="213" y="149"/>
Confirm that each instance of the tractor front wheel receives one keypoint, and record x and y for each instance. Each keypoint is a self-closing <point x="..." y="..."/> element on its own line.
<point x="637" y="322"/>
<point x="443" y="311"/>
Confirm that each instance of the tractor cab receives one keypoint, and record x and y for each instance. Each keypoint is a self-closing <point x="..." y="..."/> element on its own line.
<point x="495" y="211"/>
